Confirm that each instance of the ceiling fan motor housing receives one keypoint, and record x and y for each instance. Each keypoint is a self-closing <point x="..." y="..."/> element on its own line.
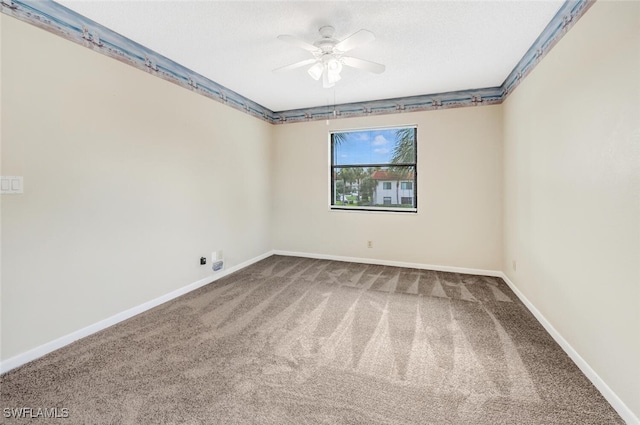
<point x="327" y="42"/>
<point x="327" y="31"/>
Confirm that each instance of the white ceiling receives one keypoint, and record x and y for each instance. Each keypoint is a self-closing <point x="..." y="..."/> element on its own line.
<point x="427" y="46"/>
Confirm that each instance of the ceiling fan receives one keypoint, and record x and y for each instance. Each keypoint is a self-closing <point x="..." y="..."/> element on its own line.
<point x="328" y="55"/>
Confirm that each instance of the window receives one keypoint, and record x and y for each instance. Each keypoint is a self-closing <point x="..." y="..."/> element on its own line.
<point x="374" y="170"/>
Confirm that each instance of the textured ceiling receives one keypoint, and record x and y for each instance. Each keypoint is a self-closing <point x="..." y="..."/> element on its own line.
<point x="427" y="46"/>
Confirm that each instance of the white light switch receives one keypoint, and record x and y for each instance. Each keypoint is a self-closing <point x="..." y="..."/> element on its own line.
<point x="11" y="185"/>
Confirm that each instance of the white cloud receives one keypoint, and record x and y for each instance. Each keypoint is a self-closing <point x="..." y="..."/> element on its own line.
<point x="344" y="155"/>
<point x="382" y="150"/>
<point x="380" y="140"/>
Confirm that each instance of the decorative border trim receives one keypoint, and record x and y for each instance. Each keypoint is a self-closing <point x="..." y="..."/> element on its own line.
<point x="420" y="266"/>
<point x="37" y="352"/>
<point x="59" y="20"/>
<point x="623" y="410"/>
<point x="428" y="102"/>
<point x="566" y="17"/>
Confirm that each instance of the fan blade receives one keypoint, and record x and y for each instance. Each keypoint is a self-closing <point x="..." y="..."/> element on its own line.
<point x="376" y="68"/>
<point x="295" y="65"/>
<point x="359" y="38"/>
<point x="298" y="42"/>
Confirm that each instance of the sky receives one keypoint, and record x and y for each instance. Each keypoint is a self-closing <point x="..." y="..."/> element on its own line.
<point x="366" y="147"/>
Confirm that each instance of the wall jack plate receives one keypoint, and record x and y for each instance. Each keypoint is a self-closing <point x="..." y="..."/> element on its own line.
<point x="11" y="185"/>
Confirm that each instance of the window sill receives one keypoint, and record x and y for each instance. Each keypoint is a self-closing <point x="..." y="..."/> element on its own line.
<point x="375" y="210"/>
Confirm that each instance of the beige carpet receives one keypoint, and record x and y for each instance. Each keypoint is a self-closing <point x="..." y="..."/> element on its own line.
<point x="301" y="341"/>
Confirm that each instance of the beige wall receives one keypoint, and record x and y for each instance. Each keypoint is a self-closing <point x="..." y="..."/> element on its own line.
<point x="572" y="185"/>
<point x="459" y="219"/>
<point x="128" y="181"/>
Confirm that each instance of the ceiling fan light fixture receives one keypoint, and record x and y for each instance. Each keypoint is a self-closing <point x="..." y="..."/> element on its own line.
<point x="316" y="71"/>
<point x="328" y="56"/>
<point x="334" y="65"/>
<point x="333" y="76"/>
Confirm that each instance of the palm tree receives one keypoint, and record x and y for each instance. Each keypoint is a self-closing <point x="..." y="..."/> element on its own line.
<point x="347" y="176"/>
<point x="358" y="175"/>
<point x="336" y="139"/>
<point x="339" y="138"/>
<point x="403" y="153"/>
<point x="338" y="190"/>
<point x="368" y="187"/>
<point x="372" y="184"/>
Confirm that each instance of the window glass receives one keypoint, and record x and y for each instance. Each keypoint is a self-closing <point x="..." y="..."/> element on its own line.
<point x="374" y="169"/>
<point x="406" y="185"/>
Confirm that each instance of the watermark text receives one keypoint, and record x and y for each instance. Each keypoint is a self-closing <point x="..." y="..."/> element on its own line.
<point x="35" y="412"/>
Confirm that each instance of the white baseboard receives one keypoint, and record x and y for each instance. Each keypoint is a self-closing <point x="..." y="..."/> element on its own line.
<point x="37" y="352"/>
<point x="625" y="413"/>
<point x="421" y="266"/>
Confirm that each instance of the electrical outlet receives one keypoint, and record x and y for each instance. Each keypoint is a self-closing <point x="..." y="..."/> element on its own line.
<point x="369" y="244"/>
<point x="203" y="260"/>
<point x="514" y="265"/>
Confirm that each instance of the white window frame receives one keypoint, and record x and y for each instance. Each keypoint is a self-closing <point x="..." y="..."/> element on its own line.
<point x="413" y="165"/>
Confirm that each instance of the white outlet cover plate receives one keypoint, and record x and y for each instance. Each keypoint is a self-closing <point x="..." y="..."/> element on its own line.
<point x="11" y="185"/>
